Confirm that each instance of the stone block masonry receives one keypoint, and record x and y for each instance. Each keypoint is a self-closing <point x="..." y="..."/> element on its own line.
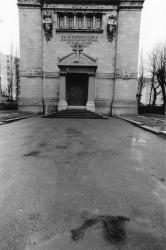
<point x="109" y="36"/>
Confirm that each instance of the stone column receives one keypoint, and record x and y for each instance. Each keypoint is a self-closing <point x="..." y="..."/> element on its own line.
<point x="94" y="22"/>
<point x="75" y="21"/>
<point x="62" y="105"/>
<point x="91" y="94"/>
<point x="65" y="21"/>
<point x="84" y="20"/>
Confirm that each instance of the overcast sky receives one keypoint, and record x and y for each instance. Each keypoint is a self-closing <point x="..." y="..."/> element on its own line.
<point x="8" y="25"/>
<point x="153" y="24"/>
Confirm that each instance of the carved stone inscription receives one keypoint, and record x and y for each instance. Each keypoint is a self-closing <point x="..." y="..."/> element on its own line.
<point x="84" y="40"/>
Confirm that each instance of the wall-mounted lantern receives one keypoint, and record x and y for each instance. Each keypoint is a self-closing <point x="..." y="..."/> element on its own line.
<point x="48" y="25"/>
<point x="111" y="27"/>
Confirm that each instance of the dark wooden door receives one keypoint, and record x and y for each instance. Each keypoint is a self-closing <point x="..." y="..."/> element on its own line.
<point x="77" y="89"/>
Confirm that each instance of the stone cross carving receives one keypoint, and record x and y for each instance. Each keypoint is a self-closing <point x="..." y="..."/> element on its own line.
<point x="77" y="48"/>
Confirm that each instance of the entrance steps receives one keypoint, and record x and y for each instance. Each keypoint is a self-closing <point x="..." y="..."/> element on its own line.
<point x="75" y="113"/>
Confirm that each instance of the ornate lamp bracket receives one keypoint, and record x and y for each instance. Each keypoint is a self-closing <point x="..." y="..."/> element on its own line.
<point x="111" y="27"/>
<point x="48" y="25"/>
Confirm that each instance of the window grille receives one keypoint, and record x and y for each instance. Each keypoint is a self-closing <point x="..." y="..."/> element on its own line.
<point x="80" y="23"/>
<point x="70" y="22"/>
<point x="98" y="22"/>
<point x="61" y="22"/>
<point x="89" y="22"/>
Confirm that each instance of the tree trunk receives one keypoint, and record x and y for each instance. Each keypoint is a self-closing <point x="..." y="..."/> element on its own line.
<point x="164" y="96"/>
<point x="154" y="98"/>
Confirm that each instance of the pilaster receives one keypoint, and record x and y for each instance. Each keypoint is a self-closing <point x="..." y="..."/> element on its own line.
<point x="91" y="94"/>
<point x="62" y="105"/>
<point x="126" y="62"/>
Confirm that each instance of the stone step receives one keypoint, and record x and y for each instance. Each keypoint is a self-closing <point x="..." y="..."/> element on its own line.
<point x="75" y="114"/>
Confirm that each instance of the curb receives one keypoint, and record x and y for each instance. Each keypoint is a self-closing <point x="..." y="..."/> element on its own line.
<point x="16" y="119"/>
<point x="141" y="125"/>
<point x="152" y="130"/>
<point x="162" y="134"/>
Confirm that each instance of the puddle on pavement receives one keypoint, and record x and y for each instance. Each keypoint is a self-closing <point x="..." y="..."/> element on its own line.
<point x="113" y="228"/>
<point x="104" y="232"/>
<point x="138" y="143"/>
<point x="72" y="131"/>
<point x="161" y="179"/>
<point x="33" y="153"/>
<point x="62" y="146"/>
<point x="42" y="144"/>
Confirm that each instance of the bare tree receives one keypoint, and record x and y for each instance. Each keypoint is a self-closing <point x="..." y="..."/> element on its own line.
<point x="156" y="92"/>
<point x="158" y="70"/>
<point x="141" y="80"/>
<point x="155" y="86"/>
<point x="13" y="76"/>
<point x="10" y="78"/>
<point x="17" y="75"/>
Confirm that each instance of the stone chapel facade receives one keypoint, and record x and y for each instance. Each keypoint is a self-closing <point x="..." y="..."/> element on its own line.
<point x="79" y="54"/>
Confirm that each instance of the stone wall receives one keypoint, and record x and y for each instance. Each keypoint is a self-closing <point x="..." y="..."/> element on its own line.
<point x="116" y="76"/>
<point x="100" y="48"/>
<point x="31" y="60"/>
<point x="127" y="61"/>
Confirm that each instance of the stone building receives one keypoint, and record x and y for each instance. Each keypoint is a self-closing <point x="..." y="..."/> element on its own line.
<point x="9" y="75"/>
<point x="79" y="54"/>
<point x="3" y="72"/>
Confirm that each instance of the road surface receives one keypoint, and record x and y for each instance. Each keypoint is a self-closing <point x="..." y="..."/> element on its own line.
<point x="55" y="173"/>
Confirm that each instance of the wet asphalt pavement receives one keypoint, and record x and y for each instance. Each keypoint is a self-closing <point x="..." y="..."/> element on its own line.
<point x="55" y="174"/>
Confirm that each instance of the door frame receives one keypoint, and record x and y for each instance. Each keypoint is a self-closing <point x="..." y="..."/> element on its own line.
<point x="69" y="81"/>
<point x="64" y="71"/>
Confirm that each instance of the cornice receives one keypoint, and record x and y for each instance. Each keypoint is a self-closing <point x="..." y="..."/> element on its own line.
<point x="110" y="2"/>
<point x="78" y="2"/>
<point x="129" y="4"/>
<point x="29" y="3"/>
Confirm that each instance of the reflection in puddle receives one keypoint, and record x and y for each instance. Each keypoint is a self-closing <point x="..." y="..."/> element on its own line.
<point x="139" y="169"/>
<point x="160" y="192"/>
<point x="136" y="152"/>
<point x="137" y="155"/>
<point x="138" y="141"/>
